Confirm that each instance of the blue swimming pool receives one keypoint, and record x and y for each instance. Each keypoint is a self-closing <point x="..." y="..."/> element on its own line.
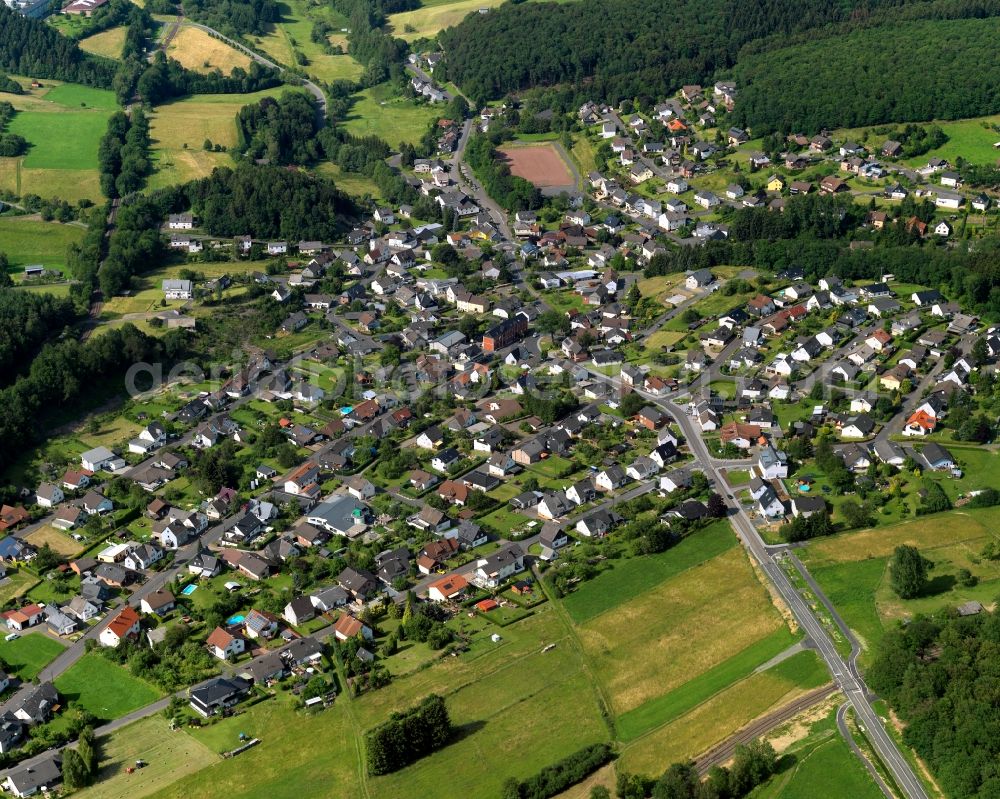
<point x="189" y="589"/>
<point x="236" y="618"/>
<point x="805" y="488"/>
<point x="346" y="410"/>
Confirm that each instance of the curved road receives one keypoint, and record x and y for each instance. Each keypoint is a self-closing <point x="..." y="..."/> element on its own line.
<point x="844" y="731"/>
<point x="311" y="87"/>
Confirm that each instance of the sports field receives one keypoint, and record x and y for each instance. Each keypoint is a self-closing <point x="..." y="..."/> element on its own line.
<point x="199" y="52"/>
<point x="540" y="164"/>
<point x="31" y="241"/>
<point x="63" y="124"/>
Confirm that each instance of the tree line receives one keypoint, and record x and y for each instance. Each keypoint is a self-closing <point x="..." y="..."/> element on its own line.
<point x="10" y="143"/>
<point x="122" y="155"/>
<point x="408" y="736"/>
<point x="235" y="17"/>
<point x="369" y="43"/>
<point x="553" y="780"/>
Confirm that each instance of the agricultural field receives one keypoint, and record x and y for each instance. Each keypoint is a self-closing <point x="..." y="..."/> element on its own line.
<point x="170" y="756"/>
<point x="852" y="569"/>
<point x="434" y="16"/>
<point x="199" y="52"/>
<point x="104" y="688"/>
<point x="378" y="112"/>
<point x="179" y="129"/>
<point x="29" y="240"/>
<point x="29" y="654"/>
<point x="730" y="709"/>
<point x="716" y="609"/>
<point x="107" y="43"/>
<point x="290" y="42"/>
<point x="63" y="124"/>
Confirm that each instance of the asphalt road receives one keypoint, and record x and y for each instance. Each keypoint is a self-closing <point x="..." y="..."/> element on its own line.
<point x="845" y="674"/>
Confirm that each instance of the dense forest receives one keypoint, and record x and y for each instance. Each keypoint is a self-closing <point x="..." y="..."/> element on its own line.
<point x="26" y="321"/>
<point x="9" y="85"/>
<point x="940" y="675"/>
<point x="282" y="131"/>
<point x="65" y="374"/>
<point x="859" y="79"/>
<point x="30" y="47"/>
<point x="234" y="17"/>
<point x="645" y="53"/>
<point x="271" y="201"/>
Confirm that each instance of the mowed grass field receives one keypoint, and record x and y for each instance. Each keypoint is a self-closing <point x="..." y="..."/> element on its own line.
<point x="852" y="569"/>
<point x="199" y="52"/>
<point x="60" y="542"/>
<point x="63" y="123"/>
<point x="670" y="634"/>
<point x="104" y="688"/>
<point x="107" y="43"/>
<point x="29" y="654"/>
<point x="293" y="34"/>
<point x="169" y="755"/>
<point x="28" y="240"/>
<point x="394" y="119"/>
<point x="179" y="129"/>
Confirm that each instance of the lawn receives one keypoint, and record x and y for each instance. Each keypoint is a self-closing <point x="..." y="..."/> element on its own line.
<point x="104" y="688"/>
<point x="376" y="112"/>
<point x="199" y="52"/>
<point x="16" y="583"/>
<point x="354" y="183"/>
<point x="32" y="241"/>
<point x="169" y="755"/>
<point x="688" y="624"/>
<point x="509" y="725"/>
<point x="629" y="577"/>
<point x="107" y="43"/>
<point x="29" y="654"/>
<point x="433" y="16"/>
<point x="61" y="139"/>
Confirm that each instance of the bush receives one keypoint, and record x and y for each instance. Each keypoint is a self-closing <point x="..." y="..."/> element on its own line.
<point x="555" y="779"/>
